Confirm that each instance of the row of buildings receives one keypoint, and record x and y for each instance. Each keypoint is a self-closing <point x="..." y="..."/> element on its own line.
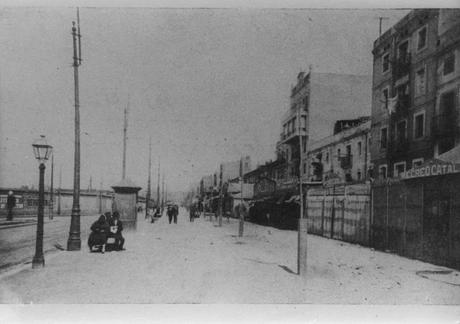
<point x="378" y="156"/>
<point x="361" y="128"/>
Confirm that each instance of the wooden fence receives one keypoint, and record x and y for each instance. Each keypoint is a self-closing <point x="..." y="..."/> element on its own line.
<point x="340" y="212"/>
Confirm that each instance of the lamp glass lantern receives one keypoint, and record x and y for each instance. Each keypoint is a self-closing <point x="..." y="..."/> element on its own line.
<point x="42" y="149"/>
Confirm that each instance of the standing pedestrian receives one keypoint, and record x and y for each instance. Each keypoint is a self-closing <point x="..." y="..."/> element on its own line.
<point x="170" y="213"/>
<point x="10" y="204"/>
<point x="175" y="213"/>
<point x="192" y="212"/>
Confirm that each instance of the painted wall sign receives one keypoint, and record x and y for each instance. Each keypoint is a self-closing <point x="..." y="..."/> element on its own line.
<point x="432" y="168"/>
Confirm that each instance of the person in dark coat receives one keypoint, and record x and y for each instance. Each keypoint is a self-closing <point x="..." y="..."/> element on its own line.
<point x="116" y="227"/>
<point x="170" y="213"/>
<point x="192" y="212"/>
<point x="99" y="232"/>
<point x="175" y="213"/>
<point x="10" y="204"/>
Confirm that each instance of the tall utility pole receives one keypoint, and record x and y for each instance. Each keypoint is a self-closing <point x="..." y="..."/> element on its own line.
<point x="51" y="205"/>
<point x="221" y="196"/>
<point x="302" y="225"/>
<point x="100" y="198"/>
<point x="158" y="185"/>
<point x="74" y="241"/>
<point x="380" y="24"/>
<point x="59" y="192"/>
<point x="163" y="193"/>
<point x="242" y="207"/>
<point x="125" y="129"/>
<point x="147" y="197"/>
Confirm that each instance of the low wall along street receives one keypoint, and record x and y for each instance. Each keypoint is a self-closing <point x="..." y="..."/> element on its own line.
<point x="91" y="203"/>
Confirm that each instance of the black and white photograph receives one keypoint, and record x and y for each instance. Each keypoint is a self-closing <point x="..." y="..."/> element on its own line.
<point x="208" y="155"/>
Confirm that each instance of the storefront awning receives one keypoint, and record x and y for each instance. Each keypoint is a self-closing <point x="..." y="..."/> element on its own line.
<point x="452" y="156"/>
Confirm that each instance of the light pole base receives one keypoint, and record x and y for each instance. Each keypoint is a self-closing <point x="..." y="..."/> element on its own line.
<point x="302" y="248"/>
<point x="38" y="262"/>
<point x="74" y="244"/>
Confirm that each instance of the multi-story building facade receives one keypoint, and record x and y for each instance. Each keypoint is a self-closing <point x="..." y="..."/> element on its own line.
<point x="343" y="157"/>
<point x="316" y="102"/>
<point x="415" y="91"/>
<point x="446" y="130"/>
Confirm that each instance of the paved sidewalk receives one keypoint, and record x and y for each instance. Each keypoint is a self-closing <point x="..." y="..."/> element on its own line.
<point x="202" y="263"/>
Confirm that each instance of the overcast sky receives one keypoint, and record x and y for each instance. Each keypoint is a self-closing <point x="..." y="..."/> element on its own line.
<point x="208" y="85"/>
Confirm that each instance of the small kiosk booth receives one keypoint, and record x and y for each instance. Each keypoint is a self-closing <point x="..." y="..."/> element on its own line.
<point x="125" y="202"/>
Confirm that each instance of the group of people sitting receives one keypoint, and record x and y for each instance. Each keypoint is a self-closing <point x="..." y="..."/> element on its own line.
<point x="106" y="227"/>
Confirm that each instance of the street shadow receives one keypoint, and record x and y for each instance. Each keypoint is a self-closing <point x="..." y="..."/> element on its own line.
<point x="287" y="269"/>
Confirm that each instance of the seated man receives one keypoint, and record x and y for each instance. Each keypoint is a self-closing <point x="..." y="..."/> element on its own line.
<point x="116" y="226"/>
<point x="98" y="236"/>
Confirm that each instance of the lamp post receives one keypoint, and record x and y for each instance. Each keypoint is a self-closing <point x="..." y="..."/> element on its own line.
<point x="42" y="151"/>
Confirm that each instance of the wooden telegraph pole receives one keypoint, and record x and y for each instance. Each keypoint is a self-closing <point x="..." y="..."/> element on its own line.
<point x="302" y="225"/>
<point x="147" y="198"/>
<point x="125" y="130"/>
<point x="163" y="192"/>
<point x="158" y="186"/>
<point x="51" y="204"/>
<point x="241" y="207"/>
<point x="59" y="192"/>
<point x="74" y="241"/>
<point x="221" y="196"/>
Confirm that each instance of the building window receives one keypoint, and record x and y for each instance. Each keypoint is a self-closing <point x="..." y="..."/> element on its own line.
<point x="385" y="62"/>
<point x="358" y="175"/>
<point x="401" y="134"/>
<point x="417" y="162"/>
<point x="383" y="173"/>
<point x="421" y="38"/>
<point x="419" y="125"/>
<point x="383" y="138"/>
<point x="385" y="94"/>
<point x="399" y="169"/>
<point x="304" y="168"/>
<point x="420" y="82"/>
<point x="304" y="122"/>
<point x="403" y="50"/>
<point x="449" y="64"/>
<point x="359" y="148"/>
<point x="338" y="153"/>
<point x="348" y="150"/>
<point x="327" y="157"/>
<point x="304" y="144"/>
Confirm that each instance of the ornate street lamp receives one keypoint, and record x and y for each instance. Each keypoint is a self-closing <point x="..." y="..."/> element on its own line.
<point x="42" y="151"/>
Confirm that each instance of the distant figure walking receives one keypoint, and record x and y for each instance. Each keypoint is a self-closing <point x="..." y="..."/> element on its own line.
<point x="192" y="212"/>
<point x="175" y="213"/>
<point x="170" y="213"/>
<point x="10" y="204"/>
